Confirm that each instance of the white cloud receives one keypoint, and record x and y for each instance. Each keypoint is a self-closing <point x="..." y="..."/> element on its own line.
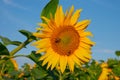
<point x="7" y="1"/>
<point x="11" y="3"/>
<point x="104" y="51"/>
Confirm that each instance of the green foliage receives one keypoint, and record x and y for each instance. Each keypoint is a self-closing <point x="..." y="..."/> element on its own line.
<point x="94" y="70"/>
<point x="34" y="57"/>
<point x="3" y="50"/>
<point x="8" y="71"/>
<point x="117" y="53"/>
<point x="7" y="41"/>
<point x="28" y="34"/>
<point x="50" y="8"/>
<point x="116" y="70"/>
<point x="7" y="66"/>
<point x="112" y="62"/>
<point x="89" y="71"/>
<point x="115" y="65"/>
<point x="40" y="71"/>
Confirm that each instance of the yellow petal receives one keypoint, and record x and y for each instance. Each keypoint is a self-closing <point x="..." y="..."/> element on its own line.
<point x="63" y="62"/>
<point x="14" y="63"/>
<point x="75" y="17"/>
<point x="59" y="16"/>
<point x="44" y="28"/>
<point x="49" y="64"/>
<point x="75" y="59"/>
<point x="117" y="77"/>
<point x="41" y="35"/>
<point x="41" y="50"/>
<point x="43" y="43"/>
<point x="71" y="63"/>
<point x="46" y="19"/>
<point x="68" y="16"/>
<point x="82" y="25"/>
<point x="47" y="59"/>
<point x="87" y="41"/>
<point x="82" y="55"/>
<point x="55" y="60"/>
<point x="104" y="74"/>
<point x="84" y="45"/>
<point x="52" y="25"/>
<point x="85" y="51"/>
<point x="40" y="28"/>
<point x="48" y="53"/>
<point x="44" y="25"/>
<point x="70" y="12"/>
<point x="84" y="34"/>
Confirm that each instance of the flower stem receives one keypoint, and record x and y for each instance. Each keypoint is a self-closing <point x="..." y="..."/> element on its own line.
<point x="14" y="51"/>
<point x="20" y="56"/>
<point x="60" y="76"/>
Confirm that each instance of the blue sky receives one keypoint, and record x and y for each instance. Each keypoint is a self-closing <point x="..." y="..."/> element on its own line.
<point x="104" y="15"/>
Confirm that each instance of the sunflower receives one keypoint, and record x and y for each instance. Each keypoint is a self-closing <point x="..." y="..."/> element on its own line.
<point x="105" y="74"/>
<point x="14" y="63"/>
<point x="64" y="40"/>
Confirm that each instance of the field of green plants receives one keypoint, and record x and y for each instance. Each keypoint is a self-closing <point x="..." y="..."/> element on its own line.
<point x="92" y="70"/>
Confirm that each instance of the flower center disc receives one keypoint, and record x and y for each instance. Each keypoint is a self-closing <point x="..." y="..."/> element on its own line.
<point x="65" y="40"/>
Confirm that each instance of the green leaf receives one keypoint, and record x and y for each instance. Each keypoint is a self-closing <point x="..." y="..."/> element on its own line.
<point x="28" y="34"/>
<point x="10" y="66"/>
<point x="42" y="70"/>
<point x="7" y="41"/>
<point x="3" y="50"/>
<point x="17" y="43"/>
<point x="26" y="69"/>
<point x="39" y="73"/>
<point x="50" y="8"/>
<point x="7" y="65"/>
<point x="116" y="70"/>
<point x="112" y="62"/>
<point x="117" y="53"/>
<point x="35" y="57"/>
<point x="1" y="78"/>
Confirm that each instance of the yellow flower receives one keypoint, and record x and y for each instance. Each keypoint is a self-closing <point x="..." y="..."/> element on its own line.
<point x="117" y="78"/>
<point x="14" y="63"/>
<point x="105" y="72"/>
<point x="64" y="40"/>
<point x="21" y="74"/>
<point x="104" y="65"/>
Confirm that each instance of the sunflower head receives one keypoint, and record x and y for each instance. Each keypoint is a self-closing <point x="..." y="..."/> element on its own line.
<point x="63" y="39"/>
